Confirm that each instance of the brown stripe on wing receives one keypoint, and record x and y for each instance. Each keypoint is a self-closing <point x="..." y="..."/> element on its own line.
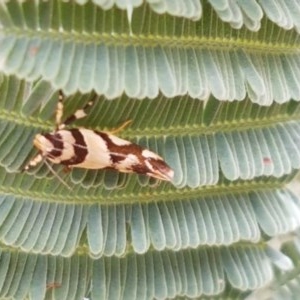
<point x="146" y="162"/>
<point x="58" y="145"/>
<point x="124" y="150"/>
<point x="80" y="149"/>
<point x="132" y="149"/>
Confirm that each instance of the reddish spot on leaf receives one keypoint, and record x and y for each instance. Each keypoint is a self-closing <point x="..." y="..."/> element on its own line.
<point x="267" y="160"/>
<point x="33" y="50"/>
<point x="53" y="285"/>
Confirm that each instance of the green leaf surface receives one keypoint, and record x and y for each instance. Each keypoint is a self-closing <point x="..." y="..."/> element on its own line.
<point x="190" y="273"/>
<point x="286" y="281"/>
<point x="59" y="228"/>
<point x="216" y="230"/>
<point x="242" y="148"/>
<point x="143" y="62"/>
<point x="248" y="13"/>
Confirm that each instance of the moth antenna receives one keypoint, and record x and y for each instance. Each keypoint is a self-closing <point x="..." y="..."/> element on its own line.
<point x="56" y="175"/>
<point x="120" y="128"/>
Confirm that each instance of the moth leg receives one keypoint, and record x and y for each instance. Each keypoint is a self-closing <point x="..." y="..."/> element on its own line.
<point x="79" y="114"/>
<point x="120" y="128"/>
<point x="34" y="162"/>
<point x="156" y="184"/>
<point x="67" y="169"/>
<point x="59" y="111"/>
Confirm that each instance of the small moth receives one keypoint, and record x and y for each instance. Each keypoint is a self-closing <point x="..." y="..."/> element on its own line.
<point x="90" y="149"/>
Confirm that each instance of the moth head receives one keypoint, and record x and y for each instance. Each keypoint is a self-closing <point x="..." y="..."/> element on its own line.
<point x="50" y="145"/>
<point x="46" y="148"/>
<point x="42" y="144"/>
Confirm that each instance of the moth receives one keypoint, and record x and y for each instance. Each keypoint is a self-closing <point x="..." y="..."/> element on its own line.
<point x="90" y="149"/>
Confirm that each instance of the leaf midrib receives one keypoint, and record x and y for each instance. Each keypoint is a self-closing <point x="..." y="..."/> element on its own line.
<point x="88" y="197"/>
<point x="164" y="41"/>
<point x="176" y="130"/>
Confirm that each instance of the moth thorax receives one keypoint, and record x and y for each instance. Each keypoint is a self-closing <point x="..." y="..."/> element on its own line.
<point x="43" y="144"/>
